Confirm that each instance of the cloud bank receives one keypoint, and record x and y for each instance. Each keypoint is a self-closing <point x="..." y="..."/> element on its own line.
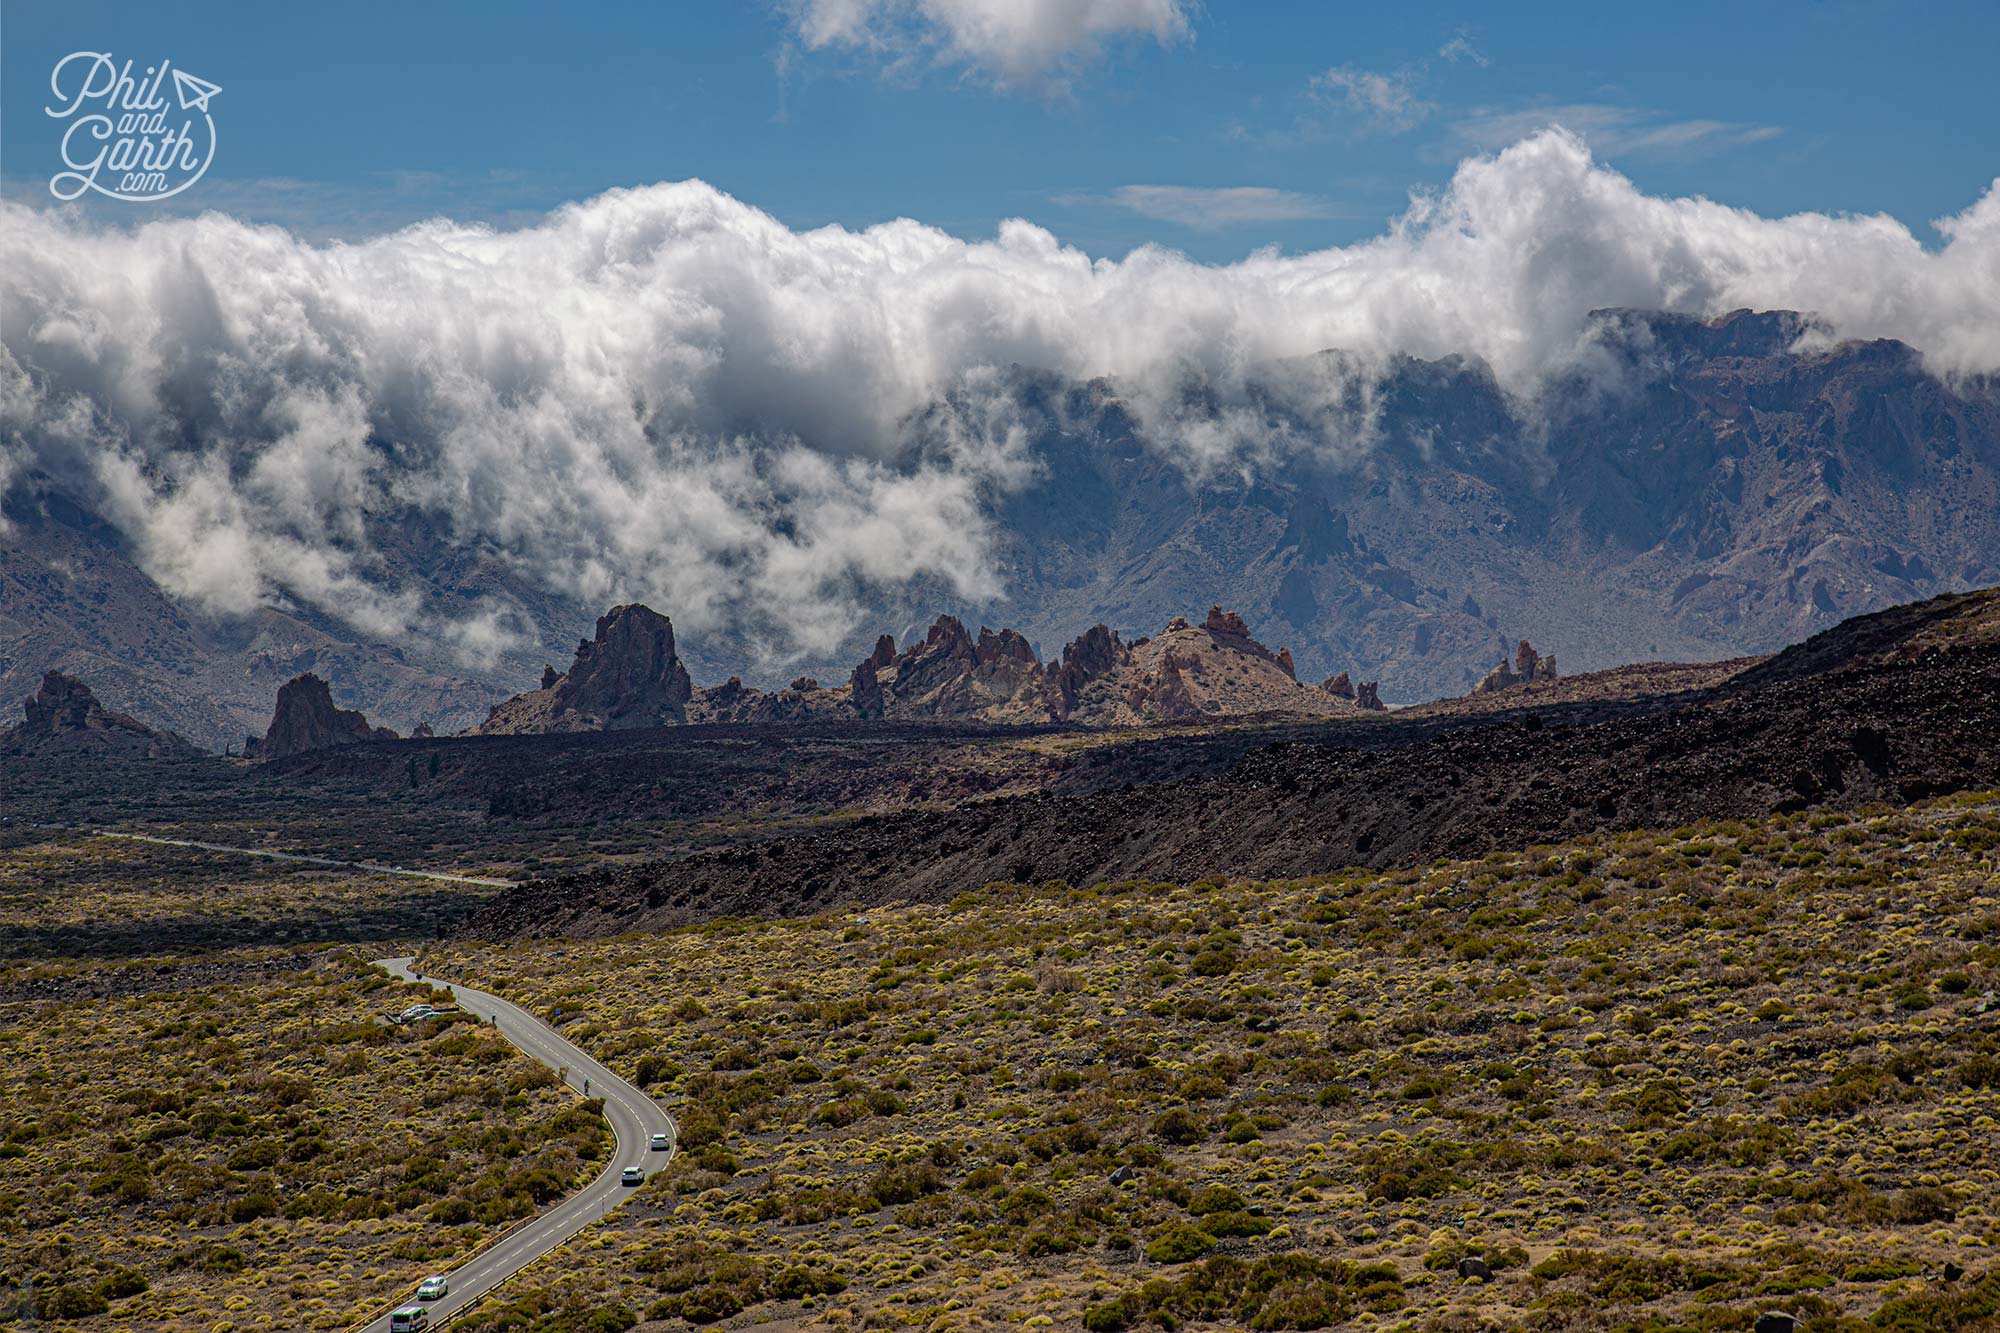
<point x="666" y="393"/>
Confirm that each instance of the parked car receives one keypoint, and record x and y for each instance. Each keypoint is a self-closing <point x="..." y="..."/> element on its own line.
<point x="433" y="1288"/>
<point x="409" y="1319"/>
<point x="661" y="1143"/>
<point x="632" y="1176"/>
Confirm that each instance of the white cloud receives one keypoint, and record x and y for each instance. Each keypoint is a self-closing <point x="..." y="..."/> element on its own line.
<point x="1015" y="43"/>
<point x="665" y="393"/>
<point x="1461" y="48"/>
<point x="1384" y="101"/>
<point x="1211" y="209"/>
<point x="1610" y="129"/>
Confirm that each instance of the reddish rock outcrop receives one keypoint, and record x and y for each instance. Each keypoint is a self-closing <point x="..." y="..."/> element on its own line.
<point x="1091" y="656"/>
<point x="1220" y="621"/>
<point x="864" y="689"/>
<point x="1285" y="663"/>
<point x="1529" y="666"/>
<point x="1340" y="686"/>
<point x="306" y="719"/>
<point x="64" y="715"/>
<point x="628" y="676"/>
<point x="1365" y="697"/>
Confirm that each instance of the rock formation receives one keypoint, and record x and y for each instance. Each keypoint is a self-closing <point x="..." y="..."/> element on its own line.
<point x="1340" y="686"/>
<point x="628" y="676"/>
<point x="1529" y="666"/>
<point x="305" y="719"/>
<point x="65" y="716"/>
<point x="864" y="688"/>
<point x="1366" y="698"/>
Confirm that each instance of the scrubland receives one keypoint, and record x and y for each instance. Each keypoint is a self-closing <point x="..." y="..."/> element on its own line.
<point x="1650" y="1080"/>
<point x="261" y="1151"/>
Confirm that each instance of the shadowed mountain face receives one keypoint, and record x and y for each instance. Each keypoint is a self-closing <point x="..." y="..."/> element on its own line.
<point x="1704" y="491"/>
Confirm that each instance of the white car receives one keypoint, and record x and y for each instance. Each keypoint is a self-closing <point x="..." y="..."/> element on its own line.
<point x="632" y="1176"/>
<point x="661" y="1143"/>
<point x="432" y="1288"/>
<point x="409" y="1319"/>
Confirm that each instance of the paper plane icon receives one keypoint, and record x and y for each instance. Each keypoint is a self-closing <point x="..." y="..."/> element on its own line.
<point x="194" y="93"/>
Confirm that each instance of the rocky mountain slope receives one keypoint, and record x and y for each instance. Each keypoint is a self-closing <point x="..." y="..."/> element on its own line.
<point x="1895" y="708"/>
<point x="1696" y="491"/>
<point x="1705" y="490"/>
<point x="74" y="599"/>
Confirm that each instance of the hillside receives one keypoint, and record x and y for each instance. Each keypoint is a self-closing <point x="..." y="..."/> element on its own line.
<point x="1842" y="723"/>
<point x="1647" y="1080"/>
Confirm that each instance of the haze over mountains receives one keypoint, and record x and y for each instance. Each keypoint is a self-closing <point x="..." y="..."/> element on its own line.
<point x="229" y="457"/>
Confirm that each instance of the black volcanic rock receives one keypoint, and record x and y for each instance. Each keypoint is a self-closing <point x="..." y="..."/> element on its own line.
<point x="305" y="719"/>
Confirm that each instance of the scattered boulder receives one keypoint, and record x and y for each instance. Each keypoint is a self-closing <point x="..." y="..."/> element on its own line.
<point x="1775" y="1321"/>
<point x="1953" y="1271"/>
<point x="1477" y="1269"/>
<point x="304" y="718"/>
<point x="1123" y="1174"/>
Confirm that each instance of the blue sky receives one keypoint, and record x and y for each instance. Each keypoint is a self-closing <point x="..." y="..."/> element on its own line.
<point x="1214" y="129"/>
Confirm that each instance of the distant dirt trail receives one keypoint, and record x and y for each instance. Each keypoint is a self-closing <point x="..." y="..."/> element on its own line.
<point x="368" y="866"/>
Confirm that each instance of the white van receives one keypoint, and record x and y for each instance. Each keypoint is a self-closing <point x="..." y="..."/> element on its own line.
<point x="409" y="1319"/>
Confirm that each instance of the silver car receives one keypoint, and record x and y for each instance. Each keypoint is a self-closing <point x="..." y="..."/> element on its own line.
<point x="433" y="1288"/>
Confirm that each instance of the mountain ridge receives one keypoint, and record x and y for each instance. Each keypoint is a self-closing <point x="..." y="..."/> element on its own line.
<point x="1692" y="490"/>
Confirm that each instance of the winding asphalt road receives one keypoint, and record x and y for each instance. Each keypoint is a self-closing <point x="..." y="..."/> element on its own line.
<point x="634" y="1118"/>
